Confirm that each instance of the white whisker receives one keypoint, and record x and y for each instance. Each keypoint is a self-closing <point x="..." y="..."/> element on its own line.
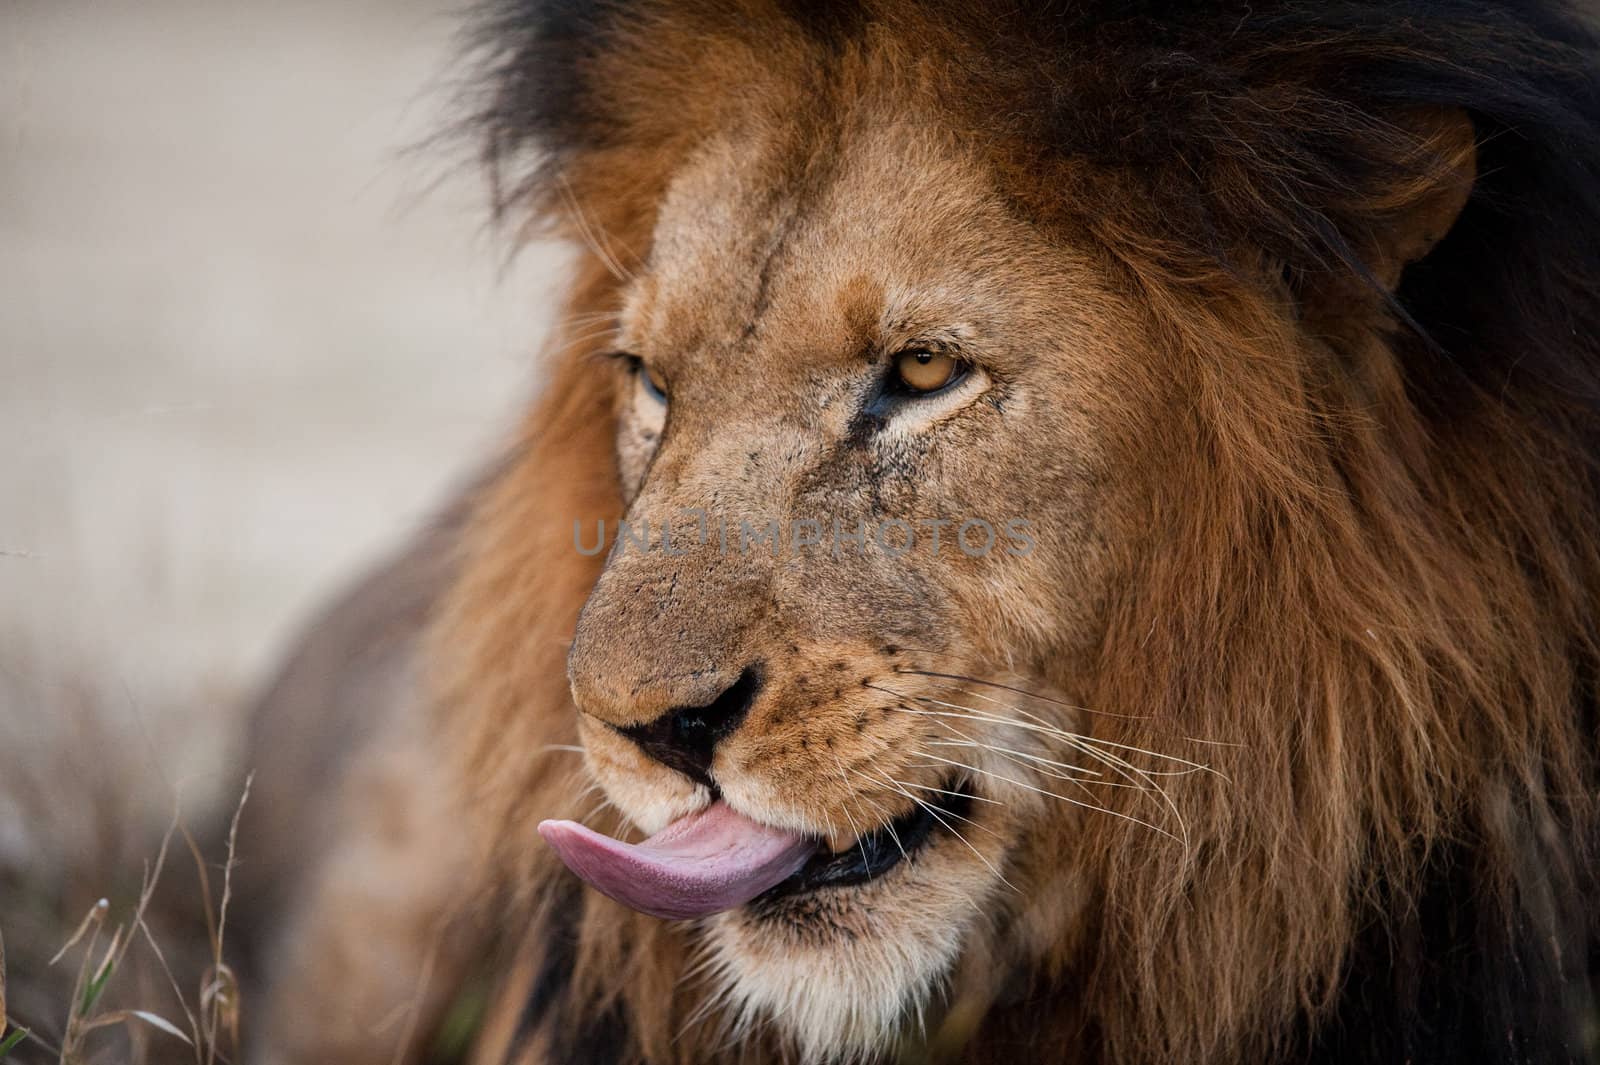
<point x="933" y="811"/>
<point x="860" y="837"/>
<point x="1120" y="764"/>
<point x="1018" y="691"/>
<point x="1054" y="795"/>
<point x="946" y="791"/>
<point x="591" y="236"/>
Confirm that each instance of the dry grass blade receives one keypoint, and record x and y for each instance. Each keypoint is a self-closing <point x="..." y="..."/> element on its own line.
<point x="88" y="932"/>
<point x="218" y="998"/>
<point x="107" y="1020"/>
<point x="204" y="876"/>
<point x="82" y="1018"/>
<point x="219" y="1005"/>
<point x="219" y="995"/>
<point x="91" y="921"/>
<point x="172" y="981"/>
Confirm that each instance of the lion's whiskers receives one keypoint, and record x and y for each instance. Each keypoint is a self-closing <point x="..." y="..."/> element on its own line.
<point x="1034" y="762"/>
<point x="1039" y="724"/>
<point x="900" y="786"/>
<point x="589" y="318"/>
<point x="1074" y="782"/>
<point x="947" y="791"/>
<point x="594" y="787"/>
<point x="888" y="825"/>
<point x="937" y="816"/>
<point x="592" y="235"/>
<point x="588" y="336"/>
<point x="965" y="740"/>
<point x="1015" y="757"/>
<point x="937" y="677"/>
<point x="1118" y="765"/>
<point x="1012" y="756"/>
<point x="886" y="822"/>
<point x="1054" y="795"/>
<point x="884" y="819"/>
<point x="844" y="775"/>
<point x="1122" y="767"/>
<point x="988" y="719"/>
<point x="1053" y="763"/>
<point x="1011" y="688"/>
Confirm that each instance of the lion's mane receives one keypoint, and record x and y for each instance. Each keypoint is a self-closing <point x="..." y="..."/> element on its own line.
<point x="1377" y="604"/>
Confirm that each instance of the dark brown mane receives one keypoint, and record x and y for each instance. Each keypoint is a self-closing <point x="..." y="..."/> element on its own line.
<point x="1379" y="603"/>
<point x="1267" y="124"/>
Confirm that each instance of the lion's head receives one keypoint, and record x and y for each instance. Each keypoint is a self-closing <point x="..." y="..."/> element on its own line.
<point x="1106" y="496"/>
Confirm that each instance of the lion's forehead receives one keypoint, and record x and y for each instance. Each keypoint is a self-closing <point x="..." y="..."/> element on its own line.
<point x="880" y="236"/>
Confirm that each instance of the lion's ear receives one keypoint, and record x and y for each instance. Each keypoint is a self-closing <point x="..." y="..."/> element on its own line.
<point x="1415" y="214"/>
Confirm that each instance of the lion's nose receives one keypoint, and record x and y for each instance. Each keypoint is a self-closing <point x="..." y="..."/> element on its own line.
<point x="685" y="737"/>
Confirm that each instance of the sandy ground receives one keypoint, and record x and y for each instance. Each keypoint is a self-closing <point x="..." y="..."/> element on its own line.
<point x="246" y="340"/>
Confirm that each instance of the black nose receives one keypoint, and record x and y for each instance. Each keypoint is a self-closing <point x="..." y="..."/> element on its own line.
<point x="685" y="737"/>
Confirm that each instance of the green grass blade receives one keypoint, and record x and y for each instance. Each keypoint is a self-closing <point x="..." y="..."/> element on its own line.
<point x="9" y="1043"/>
<point x="91" y="994"/>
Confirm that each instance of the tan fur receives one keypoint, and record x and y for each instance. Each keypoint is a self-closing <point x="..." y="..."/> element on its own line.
<point x="1303" y="635"/>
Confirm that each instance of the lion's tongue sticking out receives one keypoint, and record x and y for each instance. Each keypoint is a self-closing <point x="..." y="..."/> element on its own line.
<point x="702" y="864"/>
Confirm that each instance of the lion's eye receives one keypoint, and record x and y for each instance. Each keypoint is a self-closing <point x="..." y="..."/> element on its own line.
<point x="654" y="386"/>
<point x="922" y="372"/>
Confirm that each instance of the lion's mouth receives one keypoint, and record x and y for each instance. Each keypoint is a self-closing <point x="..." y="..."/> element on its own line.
<point x="877" y="852"/>
<point x="717" y="859"/>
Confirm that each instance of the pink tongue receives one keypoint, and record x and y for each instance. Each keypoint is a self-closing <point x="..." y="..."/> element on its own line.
<point x="702" y="864"/>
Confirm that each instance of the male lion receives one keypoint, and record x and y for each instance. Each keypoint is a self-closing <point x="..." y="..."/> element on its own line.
<point x="1247" y="357"/>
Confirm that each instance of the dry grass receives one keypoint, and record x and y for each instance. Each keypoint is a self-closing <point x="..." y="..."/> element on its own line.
<point x="192" y="454"/>
<point x="209" y="1023"/>
<point x="115" y="882"/>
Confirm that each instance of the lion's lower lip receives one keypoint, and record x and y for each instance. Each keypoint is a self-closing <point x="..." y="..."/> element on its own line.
<point x="877" y="852"/>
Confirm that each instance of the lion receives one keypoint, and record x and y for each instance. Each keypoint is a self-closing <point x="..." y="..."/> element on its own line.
<point x="1247" y="359"/>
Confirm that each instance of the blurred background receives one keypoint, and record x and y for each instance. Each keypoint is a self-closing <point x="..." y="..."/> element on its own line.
<point x="253" y="324"/>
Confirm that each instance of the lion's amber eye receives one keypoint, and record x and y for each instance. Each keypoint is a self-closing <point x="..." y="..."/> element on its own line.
<point x="925" y="371"/>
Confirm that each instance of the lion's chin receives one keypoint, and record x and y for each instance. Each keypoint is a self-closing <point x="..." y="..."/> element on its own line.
<point x="845" y="958"/>
<point x="852" y="954"/>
